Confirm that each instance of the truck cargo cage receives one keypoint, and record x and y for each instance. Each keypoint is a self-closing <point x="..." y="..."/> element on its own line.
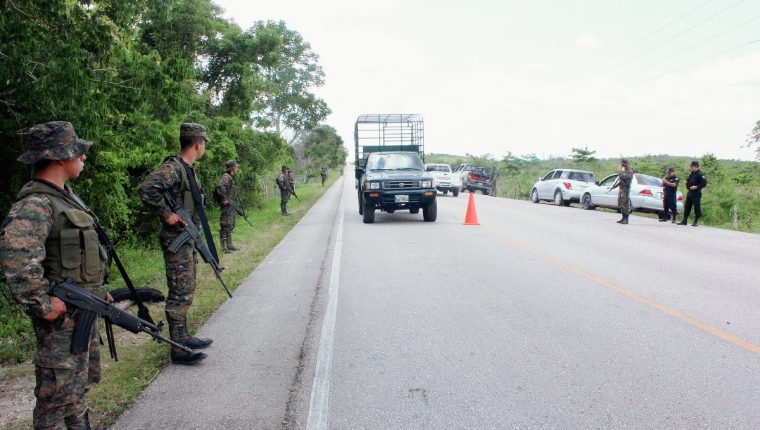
<point x="388" y="132"/>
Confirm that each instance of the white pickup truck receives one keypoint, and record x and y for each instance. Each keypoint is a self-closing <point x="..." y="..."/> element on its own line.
<point x="445" y="180"/>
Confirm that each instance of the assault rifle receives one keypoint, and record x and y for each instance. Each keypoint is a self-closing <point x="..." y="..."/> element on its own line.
<point x="191" y="232"/>
<point x="88" y="306"/>
<point x="239" y="209"/>
<point x="292" y="191"/>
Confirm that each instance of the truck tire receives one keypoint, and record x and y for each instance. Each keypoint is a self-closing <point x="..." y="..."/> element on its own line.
<point x="361" y="205"/>
<point x="430" y="212"/>
<point x="368" y="215"/>
<point x="445" y="192"/>
<point x="455" y="191"/>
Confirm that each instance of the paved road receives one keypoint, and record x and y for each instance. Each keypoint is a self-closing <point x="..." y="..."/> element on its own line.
<point x="541" y="317"/>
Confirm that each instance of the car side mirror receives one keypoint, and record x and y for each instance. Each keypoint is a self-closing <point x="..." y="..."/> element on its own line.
<point x="540" y="178"/>
<point x="597" y="183"/>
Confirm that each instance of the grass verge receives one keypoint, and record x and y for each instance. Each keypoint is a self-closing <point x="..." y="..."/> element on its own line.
<point x="140" y="359"/>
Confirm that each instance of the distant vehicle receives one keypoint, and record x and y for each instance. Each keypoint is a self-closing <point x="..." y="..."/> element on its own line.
<point x="476" y="178"/>
<point x="646" y="194"/>
<point x="392" y="181"/>
<point x="562" y="186"/>
<point x="445" y="179"/>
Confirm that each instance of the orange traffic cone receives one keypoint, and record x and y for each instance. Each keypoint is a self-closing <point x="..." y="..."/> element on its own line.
<point x="472" y="217"/>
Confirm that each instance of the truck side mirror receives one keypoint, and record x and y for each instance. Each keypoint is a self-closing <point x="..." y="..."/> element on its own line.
<point x="359" y="172"/>
<point x="540" y="178"/>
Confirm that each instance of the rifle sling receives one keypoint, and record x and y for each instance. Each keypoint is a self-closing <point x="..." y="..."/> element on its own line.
<point x="198" y="201"/>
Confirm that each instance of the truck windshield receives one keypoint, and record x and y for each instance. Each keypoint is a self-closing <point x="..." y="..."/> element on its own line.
<point x="394" y="162"/>
<point x="438" y="168"/>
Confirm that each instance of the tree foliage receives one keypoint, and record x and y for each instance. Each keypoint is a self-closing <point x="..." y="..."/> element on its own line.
<point x="583" y="155"/>
<point x="753" y="138"/>
<point x="127" y="73"/>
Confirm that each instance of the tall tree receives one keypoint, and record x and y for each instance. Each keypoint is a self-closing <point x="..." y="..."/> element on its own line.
<point x="753" y="138"/>
<point x="583" y="155"/>
<point x="288" y="105"/>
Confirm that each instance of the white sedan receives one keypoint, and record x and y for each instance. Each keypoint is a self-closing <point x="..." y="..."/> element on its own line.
<point x="646" y="194"/>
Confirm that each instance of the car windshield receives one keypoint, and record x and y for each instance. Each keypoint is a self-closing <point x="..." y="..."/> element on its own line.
<point x="438" y="168"/>
<point x="409" y="161"/>
<point x="647" y="180"/>
<point x="582" y="176"/>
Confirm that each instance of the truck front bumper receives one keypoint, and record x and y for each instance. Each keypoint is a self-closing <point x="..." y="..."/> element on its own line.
<point x="397" y="200"/>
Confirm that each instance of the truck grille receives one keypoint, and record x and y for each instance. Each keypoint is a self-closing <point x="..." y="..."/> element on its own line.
<point x="401" y="185"/>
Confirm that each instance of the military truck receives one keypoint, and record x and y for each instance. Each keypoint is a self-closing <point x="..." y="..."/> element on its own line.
<point x="390" y="171"/>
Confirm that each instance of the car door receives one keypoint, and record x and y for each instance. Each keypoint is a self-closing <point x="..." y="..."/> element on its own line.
<point x="543" y="186"/>
<point x="608" y="194"/>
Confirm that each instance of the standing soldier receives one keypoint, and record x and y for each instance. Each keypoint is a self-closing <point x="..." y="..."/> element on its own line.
<point x="177" y="176"/>
<point x="226" y="194"/>
<point x="284" y="184"/>
<point x="669" y="195"/>
<point x="291" y="180"/>
<point x="625" y="176"/>
<point x="323" y="174"/>
<point x="47" y="237"/>
<point x="694" y="184"/>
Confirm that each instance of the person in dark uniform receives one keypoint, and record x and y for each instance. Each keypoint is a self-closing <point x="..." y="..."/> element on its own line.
<point x="670" y="191"/>
<point x="694" y="184"/>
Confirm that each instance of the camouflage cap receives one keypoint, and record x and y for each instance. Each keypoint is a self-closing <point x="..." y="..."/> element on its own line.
<point x="230" y="164"/>
<point x="189" y="129"/>
<point x="54" y="140"/>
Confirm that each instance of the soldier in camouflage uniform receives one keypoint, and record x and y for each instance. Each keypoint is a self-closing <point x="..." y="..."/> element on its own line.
<point x="323" y="175"/>
<point x="625" y="176"/>
<point x="47" y="237"/>
<point x="174" y="175"/>
<point x="226" y="193"/>
<point x="284" y="184"/>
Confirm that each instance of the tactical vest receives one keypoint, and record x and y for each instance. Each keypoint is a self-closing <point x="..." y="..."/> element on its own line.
<point x="232" y="194"/>
<point x="184" y="196"/>
<point x="72" y="249"/>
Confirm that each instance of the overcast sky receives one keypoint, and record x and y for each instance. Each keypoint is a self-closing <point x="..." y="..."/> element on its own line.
<point x="623" y="77"/>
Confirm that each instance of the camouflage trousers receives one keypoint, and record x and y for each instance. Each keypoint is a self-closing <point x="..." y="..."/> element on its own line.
<point x="624" y="202"/>
<point x="180" y="278"/>
<point x="284" y="197"/>
<point x="227" y="220"/>
<point x="63" y="378"/>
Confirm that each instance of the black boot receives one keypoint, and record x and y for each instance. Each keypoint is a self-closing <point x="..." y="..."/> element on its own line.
<point x="180" y="356"/>
<point x="230" y="246"/>
<point x="624" y="220"/>
<point x="684" y="221"/>
<point x="696" y="222"/>
<point x="193" y="342"/>
<point x="223" y="239"/>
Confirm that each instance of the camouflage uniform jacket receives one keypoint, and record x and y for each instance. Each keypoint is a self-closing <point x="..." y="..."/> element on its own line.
<point x="226" y="189"/>
<point x="283" y="182"/>
<point x="170" y="176"/>
<point x="45" y="239"/>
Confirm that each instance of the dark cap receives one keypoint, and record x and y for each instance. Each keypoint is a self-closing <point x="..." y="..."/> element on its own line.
<point x="189" y="129"/>
<point x="55" y="140"/>
<point x="284" y="167"/>
<point x="624" y="161"/>
<point x="695" y="163"/>
<point x="671" y="170"/>
<point x="230" y="164"/>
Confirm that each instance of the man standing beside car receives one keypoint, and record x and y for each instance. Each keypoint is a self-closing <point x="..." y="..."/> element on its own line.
<point x="694" y="183"/>
<point x="625" y="176"/>
<point x="669" y="195"/>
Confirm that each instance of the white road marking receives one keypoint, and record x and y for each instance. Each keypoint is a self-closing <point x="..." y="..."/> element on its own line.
<point x="319" y="405"/>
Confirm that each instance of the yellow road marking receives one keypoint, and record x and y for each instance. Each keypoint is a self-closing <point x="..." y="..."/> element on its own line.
<point x="641" y="299"/>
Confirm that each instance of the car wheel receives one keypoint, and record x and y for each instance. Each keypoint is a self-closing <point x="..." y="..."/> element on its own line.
<point x="586" y="202"/>
<point x="455" y="192"/>
<point x="430" y="212"/>
<point x="369" y="214"/>
<point x="558" y="198"/>
<point x="414" y="210"/>
<point x="534" y="196"/>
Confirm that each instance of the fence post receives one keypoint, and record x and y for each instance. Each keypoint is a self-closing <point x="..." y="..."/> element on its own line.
<point x="736" y="218"/>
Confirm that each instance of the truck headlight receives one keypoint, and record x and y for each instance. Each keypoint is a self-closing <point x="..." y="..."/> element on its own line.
<point x="374" y="185"/>
<point x="427" y="184"/>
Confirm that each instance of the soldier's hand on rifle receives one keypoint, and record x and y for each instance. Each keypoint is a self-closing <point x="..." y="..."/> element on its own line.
<point x="226" y="203"/>
<point x="59" y="308"/>
<point x="174" y="219"/>
<point x="109" y="298"/>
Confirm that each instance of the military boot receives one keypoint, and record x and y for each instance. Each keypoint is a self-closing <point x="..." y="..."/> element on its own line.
<point x="684" y="221"/>
<point x="230" y="246"/>
<point x="624" y="220"/>
<point x="180" y="356"/>
<point x="193" y="342"/>
<point x="696" y="222"/>
<point x="223" y="240"/>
